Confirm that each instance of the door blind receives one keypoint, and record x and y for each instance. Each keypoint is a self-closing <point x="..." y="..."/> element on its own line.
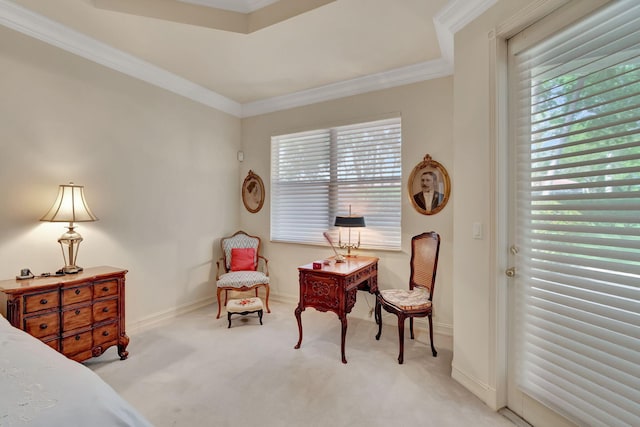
<point x="578" y="210"/>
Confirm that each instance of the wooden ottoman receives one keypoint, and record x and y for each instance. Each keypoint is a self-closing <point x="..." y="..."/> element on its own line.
<point x="243" y="307"/>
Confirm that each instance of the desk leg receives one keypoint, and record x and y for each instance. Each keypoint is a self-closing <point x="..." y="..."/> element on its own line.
<point x="344" y="334"/>
<point x="298" y="317"/>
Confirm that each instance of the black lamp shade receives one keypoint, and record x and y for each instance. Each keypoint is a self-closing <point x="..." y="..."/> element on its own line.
<point x="349" y="221"/>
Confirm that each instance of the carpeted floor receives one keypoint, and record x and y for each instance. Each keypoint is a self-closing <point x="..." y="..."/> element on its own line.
<point x="193" y="371"/>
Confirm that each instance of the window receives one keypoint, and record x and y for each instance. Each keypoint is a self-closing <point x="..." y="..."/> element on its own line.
<point x="319" y="174"/>
<point x="578" y="161"/>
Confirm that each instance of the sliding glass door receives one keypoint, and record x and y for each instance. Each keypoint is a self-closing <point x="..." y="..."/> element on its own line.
<point x="575" y="287"/>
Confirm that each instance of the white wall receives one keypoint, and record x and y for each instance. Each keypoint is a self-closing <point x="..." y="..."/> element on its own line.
<point x="159" y="171"/>
<point x="426" y="111"/>
<point x="475" y="338"/>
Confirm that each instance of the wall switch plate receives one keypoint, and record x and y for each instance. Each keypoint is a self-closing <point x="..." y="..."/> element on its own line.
<point x="477" y="231"/>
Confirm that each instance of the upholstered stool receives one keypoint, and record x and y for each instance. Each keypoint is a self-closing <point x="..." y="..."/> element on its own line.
<point x="243" y="307"/>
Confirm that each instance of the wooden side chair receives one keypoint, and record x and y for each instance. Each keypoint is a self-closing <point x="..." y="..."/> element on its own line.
<point x="240" y="269"/>
<point x="417" y="300"/>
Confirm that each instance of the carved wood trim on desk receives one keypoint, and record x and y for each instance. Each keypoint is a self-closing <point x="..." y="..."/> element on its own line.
<point x="334" y="287"/>
<point x="80" y="315"/>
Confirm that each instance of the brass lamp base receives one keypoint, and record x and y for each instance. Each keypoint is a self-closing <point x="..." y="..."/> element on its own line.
<point x="71" y="269"/>
<point x="71" y="241"/>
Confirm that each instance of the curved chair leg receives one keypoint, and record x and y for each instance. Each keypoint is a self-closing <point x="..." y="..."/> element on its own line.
<point x="433" y="349"/>
<point x="219" y="291"/>
<point x="378" y="311"/>
<point x="401" y="338"/>
<point x="266" y="297"/>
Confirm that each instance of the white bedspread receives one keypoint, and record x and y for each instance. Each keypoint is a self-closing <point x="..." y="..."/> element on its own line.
<point x="41" y="387"/>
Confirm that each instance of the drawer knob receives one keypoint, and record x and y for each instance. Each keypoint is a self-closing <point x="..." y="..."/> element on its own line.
<point x="77" y="291"/>
<point x="105" y="333"/>
<point x="77" y="337"/>
<point x="105" y="289"/>
<point x="43" y="301"/>
<point x="77" y="312"/>
<point x="105" y="310"/>
<point x="44" y="326"/>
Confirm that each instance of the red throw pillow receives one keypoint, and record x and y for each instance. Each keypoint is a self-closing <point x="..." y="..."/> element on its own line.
<point x="242" y="259"/>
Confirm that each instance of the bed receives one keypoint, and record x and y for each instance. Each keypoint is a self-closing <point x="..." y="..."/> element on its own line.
<point x="41" y="387"/>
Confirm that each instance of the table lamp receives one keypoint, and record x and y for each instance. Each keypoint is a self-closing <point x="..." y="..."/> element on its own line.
<point x="70" y="206"/>
<point x="349" y="222"/>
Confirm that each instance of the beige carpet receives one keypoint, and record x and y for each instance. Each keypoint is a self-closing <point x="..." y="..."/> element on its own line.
<point x="193" y="371"/>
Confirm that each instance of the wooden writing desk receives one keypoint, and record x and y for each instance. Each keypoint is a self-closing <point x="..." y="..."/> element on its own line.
<point x="334" y="287"/>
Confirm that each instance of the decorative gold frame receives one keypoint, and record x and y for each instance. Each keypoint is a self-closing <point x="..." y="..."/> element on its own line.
<point x="253" y="192"/>
<point x="443" y="186"/>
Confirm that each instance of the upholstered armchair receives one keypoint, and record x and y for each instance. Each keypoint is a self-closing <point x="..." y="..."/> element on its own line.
<point x="240" y="269"/>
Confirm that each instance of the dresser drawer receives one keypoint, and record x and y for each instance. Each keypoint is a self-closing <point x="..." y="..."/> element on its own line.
<point x="105" y="288"/>
<point x="76" y="318"/>
<point x="42" y="326"/>
<point x="76" y="343"/>
<point x="76" y="294"/>
<point x="103" y="310"/>
<point x="54" y="344"/>
<point x="105" y="334"/>
<point x="41" y="301"/>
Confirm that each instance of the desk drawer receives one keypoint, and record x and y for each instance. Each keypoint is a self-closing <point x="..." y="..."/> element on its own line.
<point x="42" y="326"/>
<point x="41" y="301"/>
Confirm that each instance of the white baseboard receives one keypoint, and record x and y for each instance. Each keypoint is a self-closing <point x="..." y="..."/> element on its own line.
<point x="483" y="391"/>
<point x="154" y="319"/>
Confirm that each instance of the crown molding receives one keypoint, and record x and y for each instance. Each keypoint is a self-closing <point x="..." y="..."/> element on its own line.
<point x="388" y="79"/>
<point x="455" y="15"/>
<point x="37" y="26"/>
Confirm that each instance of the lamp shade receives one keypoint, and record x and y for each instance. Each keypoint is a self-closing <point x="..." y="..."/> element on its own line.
<point x="349" y="221"/>
<point x="70" y="206"/>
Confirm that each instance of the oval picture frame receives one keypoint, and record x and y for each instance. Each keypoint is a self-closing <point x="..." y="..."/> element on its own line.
<point x="436" y="178"/>
<point x="253" y="192"/>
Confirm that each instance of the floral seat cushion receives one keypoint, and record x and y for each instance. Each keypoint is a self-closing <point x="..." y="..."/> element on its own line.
<point x="244" y="305"/>
<point x="416" y="299"/>
<point x="239" y="279"/>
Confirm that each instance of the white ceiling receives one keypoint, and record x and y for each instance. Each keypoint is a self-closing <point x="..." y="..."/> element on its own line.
<point x="295" y="56"/>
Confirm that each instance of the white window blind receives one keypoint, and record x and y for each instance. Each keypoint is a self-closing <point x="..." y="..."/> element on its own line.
<point x="317" y="175"/>
<point x="578" y="210"/>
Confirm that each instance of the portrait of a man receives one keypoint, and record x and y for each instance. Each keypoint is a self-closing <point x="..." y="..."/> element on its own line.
<point x="428" y="198"/>
<point x="429" y="186"/>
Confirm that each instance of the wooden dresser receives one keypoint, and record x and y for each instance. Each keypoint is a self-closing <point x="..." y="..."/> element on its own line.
<point x="80" y="315"/>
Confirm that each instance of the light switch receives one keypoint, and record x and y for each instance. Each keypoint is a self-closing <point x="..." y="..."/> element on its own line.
<point x="477" y="230"/>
